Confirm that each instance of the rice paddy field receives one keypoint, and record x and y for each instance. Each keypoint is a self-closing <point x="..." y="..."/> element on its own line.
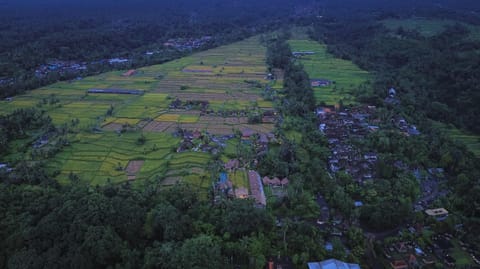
<point x="471" y="141"/>
<point x="345" y="75"/>
<point x="428" y="27"/>
<point x="102" y="150"/>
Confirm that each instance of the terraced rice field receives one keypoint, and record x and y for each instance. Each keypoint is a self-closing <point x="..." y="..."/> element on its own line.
<point x="103" y="151"/>
<point x="471" y="141"/>
<point x="347" y="77"/>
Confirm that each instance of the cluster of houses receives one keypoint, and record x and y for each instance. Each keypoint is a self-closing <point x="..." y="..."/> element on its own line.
<point x="201" y="141"/>
<point x="65" y="67"/>
<point x="256" y="184"/>
<point x="5" y="167"/>
<point x="406" y="128"/>
<point x="185" y="44"/>
<point x="62" y="67"/>
<point x="259" y="140"/>
<point x="404" y="255"/>
<point x="114" y="61"/>
<point x="339" y="128"/>
<point x="429" y="186"/>
<point x="408" y="254"/>
<point x="6" y="81"/>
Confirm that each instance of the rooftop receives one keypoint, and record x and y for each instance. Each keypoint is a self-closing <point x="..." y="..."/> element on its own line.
<point x="436" y="212"/>
<point x="332" y="264"/>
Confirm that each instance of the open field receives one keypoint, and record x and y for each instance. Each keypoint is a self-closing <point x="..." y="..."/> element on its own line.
<point x="226" y="77"/>
<point x="471" y="141"/>
<point x="428" y="27"/>
<point x="322" y="65"/>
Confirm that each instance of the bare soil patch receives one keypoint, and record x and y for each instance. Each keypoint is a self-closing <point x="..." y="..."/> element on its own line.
<point x="158" y="126"/>
<point x="133" y="168"/>
<point x="113" y="126"/>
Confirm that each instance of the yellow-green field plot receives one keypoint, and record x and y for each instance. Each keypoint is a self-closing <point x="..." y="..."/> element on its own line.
<point x="347" y="77"/>
<point x="99" y="158"/>
<point x="428" y="27"/>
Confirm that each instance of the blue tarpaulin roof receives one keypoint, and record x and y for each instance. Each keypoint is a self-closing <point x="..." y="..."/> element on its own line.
<point x="223" y="177"/>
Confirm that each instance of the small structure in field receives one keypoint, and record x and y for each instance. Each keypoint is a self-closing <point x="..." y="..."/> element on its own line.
<point x="129" y="73"/>
<point x="116" y="91"/>
<point x="320" y="82"/>
<point x="302" y="53"/>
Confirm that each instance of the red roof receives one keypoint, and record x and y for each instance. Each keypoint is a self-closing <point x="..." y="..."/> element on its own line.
<point x="399" y="264"/>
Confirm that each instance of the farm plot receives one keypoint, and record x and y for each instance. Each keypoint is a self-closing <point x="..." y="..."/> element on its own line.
<point x="471" y="141"/>
<point x="229" y="78"/>
<point x="345" y="76"/>
<point x="102" y="158"/>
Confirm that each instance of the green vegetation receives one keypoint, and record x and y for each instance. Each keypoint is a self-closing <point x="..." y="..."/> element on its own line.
<point x="429" y="27"/>
<point x="471" y="141"/>
<point x="346" y="76"/>
<point x="94" y="158"/>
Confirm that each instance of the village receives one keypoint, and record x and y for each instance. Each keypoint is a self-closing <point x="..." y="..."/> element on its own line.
<point x="186" y="44"/>
<point x="74" y="67"/>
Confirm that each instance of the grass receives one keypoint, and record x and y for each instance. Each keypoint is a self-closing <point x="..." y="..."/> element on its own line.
<point x="471" y="141"/>
<point x="461" y="257"/>
<point x="347" y="76"/>
<point x="429" y="27"/>
<point x="239" y="179"/>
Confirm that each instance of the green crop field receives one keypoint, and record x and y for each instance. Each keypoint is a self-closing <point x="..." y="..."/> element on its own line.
<point x="98" y="153"/>
<point x="471" y="141"/>
<point x="239" y="179"/>
<point x="347" y="77"/>
<point x="428" y="27"/>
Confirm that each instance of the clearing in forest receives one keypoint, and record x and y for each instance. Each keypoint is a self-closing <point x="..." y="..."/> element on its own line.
<point x="428" y="27"/>
<point x="333" y="79"/>
<point x="471" y="141"/>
